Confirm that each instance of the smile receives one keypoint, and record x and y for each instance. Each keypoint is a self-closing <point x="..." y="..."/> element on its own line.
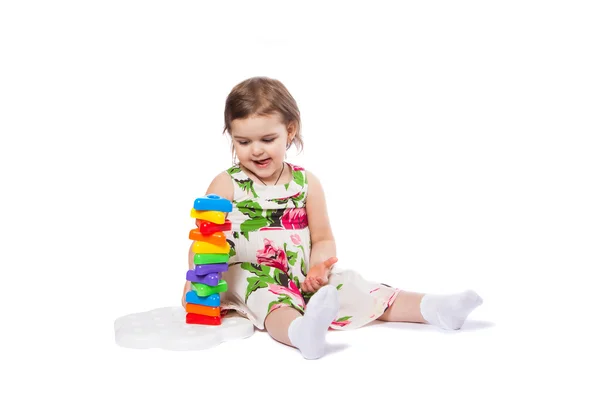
<point x="263" y="163"/>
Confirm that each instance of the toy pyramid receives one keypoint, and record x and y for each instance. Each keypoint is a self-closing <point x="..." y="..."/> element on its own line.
<point x="211" y="254"/>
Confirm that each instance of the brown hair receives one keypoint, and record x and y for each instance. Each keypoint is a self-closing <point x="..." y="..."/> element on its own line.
<point x="262" y="96"/>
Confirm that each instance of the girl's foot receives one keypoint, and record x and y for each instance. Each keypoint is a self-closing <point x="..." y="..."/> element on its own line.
<point x="449" y="311"/>
<point x="307" y="333"/>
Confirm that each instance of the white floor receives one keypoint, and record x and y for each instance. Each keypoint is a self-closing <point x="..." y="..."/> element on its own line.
<point x="485" y="357"/>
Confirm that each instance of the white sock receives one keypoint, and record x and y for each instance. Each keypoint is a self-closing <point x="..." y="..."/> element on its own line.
<point x="449" y="311"/>
<point x="307" y="333"/>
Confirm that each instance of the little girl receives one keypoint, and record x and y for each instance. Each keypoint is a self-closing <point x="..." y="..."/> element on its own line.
<point x="281" y="273"/>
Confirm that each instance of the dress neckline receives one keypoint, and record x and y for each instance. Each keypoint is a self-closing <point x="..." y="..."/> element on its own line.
<point x="262" y="186"/>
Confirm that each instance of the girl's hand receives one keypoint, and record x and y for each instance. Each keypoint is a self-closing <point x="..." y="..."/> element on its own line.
<point x="318" y="275"/>
<point x="186" y="288"/>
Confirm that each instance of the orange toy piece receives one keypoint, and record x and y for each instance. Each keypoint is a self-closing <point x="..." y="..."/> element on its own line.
<point x="192" y="318"/>
<point x="202" y="309"/>
<point x="217" y="238"/>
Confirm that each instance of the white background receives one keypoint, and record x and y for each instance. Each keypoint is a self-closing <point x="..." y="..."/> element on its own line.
<point x="457" y="143"/>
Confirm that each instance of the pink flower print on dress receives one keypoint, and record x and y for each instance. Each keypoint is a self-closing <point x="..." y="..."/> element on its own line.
<point x="272" y="256"/>
<point x="341" y="321"/>
<point x="295" y="289"/>
<point x="294" y="218"/>
<point x="296" y="239"/>
<point x="292" y="292"/>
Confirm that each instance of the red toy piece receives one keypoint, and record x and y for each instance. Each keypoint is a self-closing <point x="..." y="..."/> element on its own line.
<point x="192" y="318"/>
<point x="208" y="227"/>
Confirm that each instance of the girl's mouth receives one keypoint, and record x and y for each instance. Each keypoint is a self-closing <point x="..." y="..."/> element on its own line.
<point x="264" y="163"/>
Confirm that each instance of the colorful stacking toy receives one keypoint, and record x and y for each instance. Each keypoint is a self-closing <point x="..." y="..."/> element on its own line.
<point x="211" y="254"/>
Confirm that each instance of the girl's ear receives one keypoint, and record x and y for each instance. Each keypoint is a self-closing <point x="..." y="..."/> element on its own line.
<point x="291" y="130"/>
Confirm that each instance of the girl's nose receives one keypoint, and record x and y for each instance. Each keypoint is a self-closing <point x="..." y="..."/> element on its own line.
<point x="257" y="149"/>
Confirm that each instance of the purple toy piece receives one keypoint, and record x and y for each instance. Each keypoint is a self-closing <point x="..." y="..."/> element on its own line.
<point x="211" y="279"/>
<point x="210" y="268"/>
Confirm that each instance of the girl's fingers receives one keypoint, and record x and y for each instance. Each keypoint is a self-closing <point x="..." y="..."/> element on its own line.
<point x="330" y="262"/>
<point x="315" y="284"/>
<point x="312" y="284"/>
<point x="311" y="287"/>
<point x="306" y="285"/>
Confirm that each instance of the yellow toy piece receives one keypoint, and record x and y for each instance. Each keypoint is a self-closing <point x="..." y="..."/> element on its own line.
<point x="209" y="248"/>
<point x="209" y="215"/>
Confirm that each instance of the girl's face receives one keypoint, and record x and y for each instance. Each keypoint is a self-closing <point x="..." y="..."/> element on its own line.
<point x="260" y="144"/>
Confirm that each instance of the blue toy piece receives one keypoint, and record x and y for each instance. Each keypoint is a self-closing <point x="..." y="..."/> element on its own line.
<point x="214" y="300"/>
<point x="213" y="202"/>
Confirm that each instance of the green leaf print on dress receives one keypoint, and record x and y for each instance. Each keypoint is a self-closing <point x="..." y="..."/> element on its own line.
<point x="244" y="184"/>
<point x="250" y="208"/>
<point x="303" y="268"/>
<point x="298" y="177"/>
<point x="256" y="282"/>
<point x="231" y="247"/>
<point x="291" y="255"/>
<point x="256" y="219"/>
<point x="297" y="200"/>
<point x="253" y="225"/>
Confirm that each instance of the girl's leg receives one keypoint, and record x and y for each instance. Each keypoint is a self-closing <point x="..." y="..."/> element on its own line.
<point x="446" y="311"/>
<point x="406" y="308"/>
<point x="307" y="333"/>
<point x="278" y="322"/>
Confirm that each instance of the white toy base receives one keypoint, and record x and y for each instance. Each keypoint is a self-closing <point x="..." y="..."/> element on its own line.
<point x="165" y="328"/>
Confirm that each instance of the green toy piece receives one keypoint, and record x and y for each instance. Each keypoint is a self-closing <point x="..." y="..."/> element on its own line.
<point x="203" y="290"/>
<point x="210" y="258"/>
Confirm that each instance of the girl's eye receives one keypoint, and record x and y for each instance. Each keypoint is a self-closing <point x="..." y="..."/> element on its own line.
<point x="243" y="143"/>
<point x="268" y="140"/>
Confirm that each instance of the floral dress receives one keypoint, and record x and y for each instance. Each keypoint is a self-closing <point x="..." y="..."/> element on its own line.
<point x="270" y="251"/>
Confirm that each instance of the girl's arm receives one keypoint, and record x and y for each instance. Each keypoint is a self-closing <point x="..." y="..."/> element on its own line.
<point x="321" y="235"/>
